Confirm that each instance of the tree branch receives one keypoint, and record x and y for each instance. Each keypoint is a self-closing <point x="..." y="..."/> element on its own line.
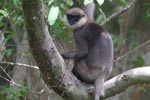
<point x="21" y="86"/>
<point x="52" y="67"/>
<point x="118" y="12"/>
<point x="118" y="83"/>
<point x="19" y="64"/>
<point x="121" y="82"/>
<point x="132" y="51"/>
<point x="117" y="59"/>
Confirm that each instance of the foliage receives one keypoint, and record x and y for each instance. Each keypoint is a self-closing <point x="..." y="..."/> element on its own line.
<point x="115" y="39"/>
<point x="55" y="17"/>
<point x="100" y="2"/>
<point x="13" y="93"/>
<point x="146" y="17"/>
<point x="138" y="61"/>
<point x="12" y="25"/>
<point x="87" y="2"/>
<point x="54" y="9"/>
<point x="4" y="13"/>
<point x="53" y="14"/>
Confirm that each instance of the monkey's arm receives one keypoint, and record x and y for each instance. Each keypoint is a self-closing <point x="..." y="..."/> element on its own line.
<point x="75" y="54"/>
<point x="81" y="52"/>
<point x="69" y="55"/>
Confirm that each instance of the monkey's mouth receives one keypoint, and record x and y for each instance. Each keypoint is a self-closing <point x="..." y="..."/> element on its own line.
<point x="73" y="19"/>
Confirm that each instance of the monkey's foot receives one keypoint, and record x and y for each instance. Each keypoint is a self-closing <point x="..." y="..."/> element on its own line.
<point x="90" y="90"/>
<point x="102" y="92"/>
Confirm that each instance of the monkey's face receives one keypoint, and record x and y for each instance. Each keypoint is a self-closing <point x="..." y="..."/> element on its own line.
<point x="75" y="18"/>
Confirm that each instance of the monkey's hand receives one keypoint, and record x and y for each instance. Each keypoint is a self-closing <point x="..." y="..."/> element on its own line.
<point x="90" y="90"/>
<point x="75" y="54"/>
<point x="64" y="56"/>
<point x="67" y="56"/>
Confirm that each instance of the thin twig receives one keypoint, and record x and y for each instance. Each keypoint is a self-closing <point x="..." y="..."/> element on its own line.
<point x="18" y="85"/>
<point x="119" y="58"/>
<point x="118" y="12"/>
<point x="14" y="45"/>
<point x="19" y="64"/>
<point x="5" y="72"/>
<point x="138" y="47"/>
<point x="103" y="14"/>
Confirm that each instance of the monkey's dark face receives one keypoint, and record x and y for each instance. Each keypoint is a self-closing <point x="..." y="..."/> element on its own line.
<point x="73" y="19"/>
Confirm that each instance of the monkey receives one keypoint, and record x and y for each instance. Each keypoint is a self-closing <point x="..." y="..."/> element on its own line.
<point x="93" y="56"/>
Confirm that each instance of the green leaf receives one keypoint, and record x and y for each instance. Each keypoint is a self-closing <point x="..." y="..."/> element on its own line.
<point x="4" y="13"/>
<point x="147" y="13"/>
<point x="1" y="18"/>
<point x="16" y="3"/>
<point x="12" y="91"/>
<point x="53" y="15"/>
<point x="8" y="37"/>
<point x="99" y="19"/>
<point x="138" y="62"/>
<point x="87" y="2"/>
<point x="100" y="2"/>
<point x="9" y="52"/>
<point x="69" y="2"/>
<point x="50" y="2"/>
<point x="9" y="90"/>
<point x="123" y="1"/>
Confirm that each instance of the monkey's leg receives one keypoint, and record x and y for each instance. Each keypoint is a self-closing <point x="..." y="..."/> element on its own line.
<point x="98" y="87"/>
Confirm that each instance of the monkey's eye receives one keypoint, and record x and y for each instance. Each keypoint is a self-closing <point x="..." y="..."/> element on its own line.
<point x="76" y="17"/>
<point x="73" y="18"/>
<point x="69" y="16"/>
<point x="82" y="15"/>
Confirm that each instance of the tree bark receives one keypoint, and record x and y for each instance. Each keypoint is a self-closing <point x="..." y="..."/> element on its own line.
<point x="52" y="66"/>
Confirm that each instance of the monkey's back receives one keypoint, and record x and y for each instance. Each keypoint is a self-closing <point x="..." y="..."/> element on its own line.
<point x="99" y="60"/>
